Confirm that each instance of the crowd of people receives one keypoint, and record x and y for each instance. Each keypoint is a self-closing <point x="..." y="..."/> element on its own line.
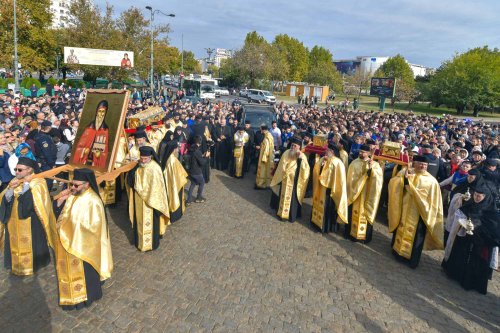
<point x="447" y="196"/>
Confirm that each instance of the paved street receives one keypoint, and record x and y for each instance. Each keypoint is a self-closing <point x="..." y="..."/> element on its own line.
<point x="230" y="266"/>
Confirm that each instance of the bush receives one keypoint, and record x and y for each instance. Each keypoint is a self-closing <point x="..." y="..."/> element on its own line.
<point x="52" y="81"/>
<point x="75" y="83"/>
<point x="28" y="81"/>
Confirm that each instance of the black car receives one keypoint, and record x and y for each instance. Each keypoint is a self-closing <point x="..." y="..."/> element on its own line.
<point x="258" y="115"/>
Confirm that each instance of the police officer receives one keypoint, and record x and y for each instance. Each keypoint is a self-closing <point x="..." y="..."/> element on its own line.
<point x="45" y="148"/>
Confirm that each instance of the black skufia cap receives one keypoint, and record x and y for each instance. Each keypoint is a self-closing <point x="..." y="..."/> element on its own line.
<point x="29" y="163"/>
<point x="420" y="158"/>
<point x="86" y="175"/>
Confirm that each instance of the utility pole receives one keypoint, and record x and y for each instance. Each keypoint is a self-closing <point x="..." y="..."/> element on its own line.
<point x="16" y="60"/>
<point x="153" y="12"/>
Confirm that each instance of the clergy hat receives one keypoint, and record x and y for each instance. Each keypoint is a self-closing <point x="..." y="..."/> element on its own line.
<point x="29" y="163"/>
<point x="140" y="128"/>
<point x="365" y="148"/>
<point x="86" y="175"/>
<point x="296" y="140"/>
<point x="171" y="145"/>
<point x="141" y="134"/>
<point x="247" y="122"/>
<point x="334" y="148"/>
<point x="46" y="123"/>
<point x="264" y="127"/>
<point x="420" y="158"/>
<point x="149" y="151"/>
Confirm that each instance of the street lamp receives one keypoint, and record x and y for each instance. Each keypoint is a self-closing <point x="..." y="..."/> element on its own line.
<point x="16" y="69"/>
<point x="153" y="12"/>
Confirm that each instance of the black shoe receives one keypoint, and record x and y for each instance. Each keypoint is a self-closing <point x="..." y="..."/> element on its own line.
<point x="200" y="199"/>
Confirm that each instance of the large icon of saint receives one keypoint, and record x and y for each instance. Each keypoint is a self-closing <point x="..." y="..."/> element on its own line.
<point x="92" y="146"/>
<point x="72" y="59"/>
<point x="126" y="63"/>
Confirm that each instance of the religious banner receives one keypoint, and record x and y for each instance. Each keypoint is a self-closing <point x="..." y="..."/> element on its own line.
<point x="98" y="57"/>
<point x="101" y="124"/>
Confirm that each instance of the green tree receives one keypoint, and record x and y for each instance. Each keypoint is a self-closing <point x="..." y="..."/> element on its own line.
<point x="35" y="40"/>
<point x="296" y="54"/>
<point x="470" y="80"/>
<point x="191" y="65"/>
<point x="397" y="67"/>
<point x="325" y="74"/>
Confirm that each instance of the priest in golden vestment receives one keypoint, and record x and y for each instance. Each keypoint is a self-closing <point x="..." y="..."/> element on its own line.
<point x="156" y="134"/>
<point x="329" y="192"/>
<point x="364" y="186"/>
<point x="25" y="218"/>
<point x="415" y="212"/>
<point x="148" y="202"/>
<point x="82" y="246"/>
<point x="175" y="179"/>
<point x="344" y="155"/>
<point x="289" y="182"/>
<point x="240" y="142"/>
<point x="265" y="162"/>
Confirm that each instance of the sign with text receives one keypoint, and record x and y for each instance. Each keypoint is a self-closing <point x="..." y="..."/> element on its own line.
<point x="383" y="86"/>
<point x="98" y="57"/>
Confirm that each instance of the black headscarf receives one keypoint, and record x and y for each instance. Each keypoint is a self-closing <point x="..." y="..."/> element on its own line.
<point x="475" y="210"/>
<point x="169" y="148"/>
<point x="86" y="175"/>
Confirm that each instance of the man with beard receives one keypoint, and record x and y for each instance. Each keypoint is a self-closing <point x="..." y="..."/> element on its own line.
<point x="148" y="202"/>
<point x="82" y="246"/>
<point x="415" y="212"/>
<point x="25" y="219"/>
<point x="223" y="142"/>
<point x="289" y="182"/>
<point x="156" y="134"/>
<point x="364" y="186"/>
<point x="329" y="192"/>
<point x="92" y="146"/>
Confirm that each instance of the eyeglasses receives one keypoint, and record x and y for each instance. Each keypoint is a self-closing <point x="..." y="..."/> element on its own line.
<point x="19" y="169"/>
<point x="76" y="185"/>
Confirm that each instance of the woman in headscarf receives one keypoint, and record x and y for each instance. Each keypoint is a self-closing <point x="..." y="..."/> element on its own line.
<point x="175" y="179"/>
<point x="471" y="251"/>
<point x="22" y="150"/>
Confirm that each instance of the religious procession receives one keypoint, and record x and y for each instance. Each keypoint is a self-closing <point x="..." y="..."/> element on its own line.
<point x="436" y="179"/>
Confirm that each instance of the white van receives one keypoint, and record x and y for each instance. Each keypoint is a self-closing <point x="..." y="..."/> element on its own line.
<point x="260" y="96"/>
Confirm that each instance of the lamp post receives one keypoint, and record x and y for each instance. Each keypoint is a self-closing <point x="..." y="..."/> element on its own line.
<point x="153" y="12"/>
<point x="57" y="64"/>
<point x="16" y="61"/>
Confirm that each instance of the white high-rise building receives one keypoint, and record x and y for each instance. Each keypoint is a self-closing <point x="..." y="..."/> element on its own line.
<point x="221" y="54"/>
<point x="60" y="12"/>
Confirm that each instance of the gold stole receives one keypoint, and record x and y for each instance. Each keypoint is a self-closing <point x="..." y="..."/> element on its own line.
<point x="422" y="198"/>
<point x="332" y="177"/>
<point x="266" y="161"/>
<point x="150" y="193"/>
<point x="344" y="157"/>
<point x="364" y="195"/>
<point x="239" y="153"/>
<point x="176" y="179"/>
<point x="20" y="236"/>
<point x="285" y="174"/>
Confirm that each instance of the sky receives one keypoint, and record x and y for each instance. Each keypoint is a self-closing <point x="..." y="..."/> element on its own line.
<point x="425" y="32"/>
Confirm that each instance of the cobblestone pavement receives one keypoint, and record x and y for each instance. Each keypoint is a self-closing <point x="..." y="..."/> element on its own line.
<point x="230" y="266"/>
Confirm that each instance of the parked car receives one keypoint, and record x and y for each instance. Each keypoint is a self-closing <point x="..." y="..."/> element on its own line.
<point x="221" y="92"/>
<point x="260" y="96"/>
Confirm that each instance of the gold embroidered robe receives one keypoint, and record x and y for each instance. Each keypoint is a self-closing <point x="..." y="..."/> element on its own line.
<point x="265" y="163"/>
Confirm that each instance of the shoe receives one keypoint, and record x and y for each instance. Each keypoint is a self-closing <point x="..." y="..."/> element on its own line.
<point x="188" y="203"/>
<point x="200" y="199"/>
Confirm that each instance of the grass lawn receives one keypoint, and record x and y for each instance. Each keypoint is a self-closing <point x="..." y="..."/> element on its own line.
<point x="368" y="103"/>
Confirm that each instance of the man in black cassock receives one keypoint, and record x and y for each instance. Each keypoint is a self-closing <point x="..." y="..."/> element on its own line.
<point x="223" y="142"/>
<point x="25" y="216"/>
<point x="249" y="149"/>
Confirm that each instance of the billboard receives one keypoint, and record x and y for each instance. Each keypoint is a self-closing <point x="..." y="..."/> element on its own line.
<point x="98" y="57"/>
<point x="101" y="125"/>
<point x="383" y="86"/>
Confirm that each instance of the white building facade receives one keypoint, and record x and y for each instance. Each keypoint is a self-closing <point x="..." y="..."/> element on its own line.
<point x="60" y="12"/>
<point x="221" y="54"/>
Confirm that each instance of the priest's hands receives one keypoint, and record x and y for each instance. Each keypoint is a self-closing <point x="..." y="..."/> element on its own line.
<point x="63" y="196"/>
<point x="14" y="183"/>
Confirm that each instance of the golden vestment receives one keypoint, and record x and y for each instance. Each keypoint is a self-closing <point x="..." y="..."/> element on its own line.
<point x="149" y="193"/>
<point x="363" y="193"/>
<point x="155" y="138"/>
<point x="20" y="235"/>
<point x="285" y="175"/>
<point x="265" y="163"/>
<point x="176" y="179"/>
<point x="240" y="140"/>
<point x="421" y="198"/>
<point x="82" y="235"/>
<point x="344" y="157"/>
<point x="332" y="177"/>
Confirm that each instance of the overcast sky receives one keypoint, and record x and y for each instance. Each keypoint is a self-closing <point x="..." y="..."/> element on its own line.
<point x="425" y="32"/>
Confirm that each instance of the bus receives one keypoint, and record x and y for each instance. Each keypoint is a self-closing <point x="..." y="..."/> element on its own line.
<point x="202" y="87"/>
